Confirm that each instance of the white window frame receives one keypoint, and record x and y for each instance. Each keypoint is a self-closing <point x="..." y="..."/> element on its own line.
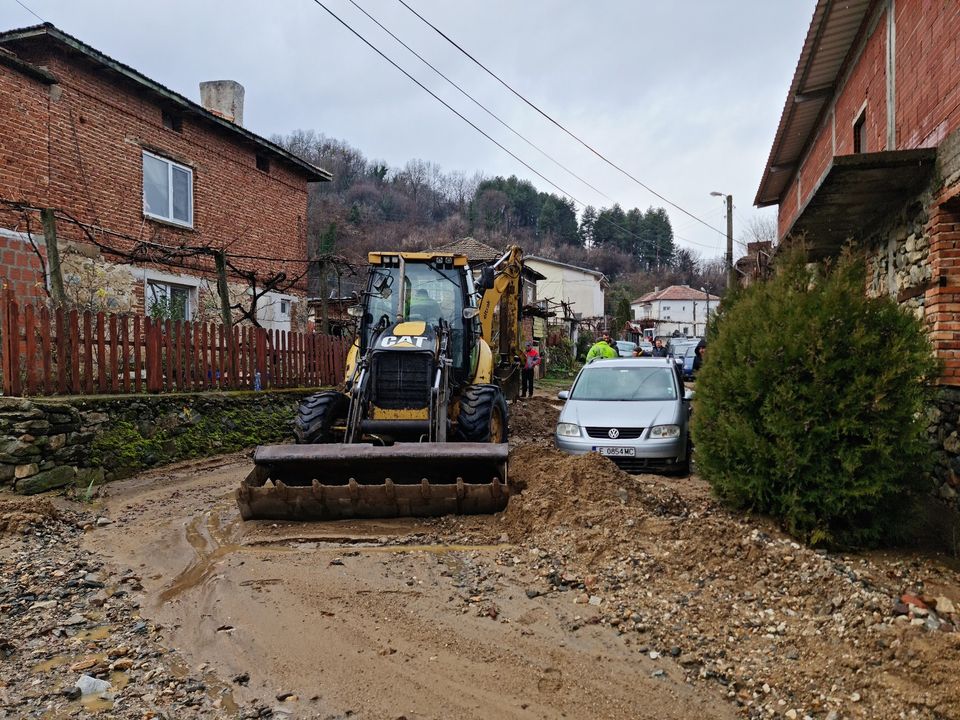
<point x="155" y="277"/>
<point x="170" y="165"/>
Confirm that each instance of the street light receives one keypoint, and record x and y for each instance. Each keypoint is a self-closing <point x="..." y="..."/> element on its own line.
<point x="731" y="278"/>
<point x="707" y="318"/>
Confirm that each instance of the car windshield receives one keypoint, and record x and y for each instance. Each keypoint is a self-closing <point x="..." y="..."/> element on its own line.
<point x="625" y="383"/>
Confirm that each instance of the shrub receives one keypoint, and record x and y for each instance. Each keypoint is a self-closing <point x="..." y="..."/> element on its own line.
<point x="810" y="405"/>
<point x="585" y="341"/>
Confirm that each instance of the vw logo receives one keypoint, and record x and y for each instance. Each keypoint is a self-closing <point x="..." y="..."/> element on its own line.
<point x="613" y="433"/>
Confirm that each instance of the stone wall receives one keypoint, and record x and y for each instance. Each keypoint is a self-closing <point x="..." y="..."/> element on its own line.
<point x="52" y="443"/>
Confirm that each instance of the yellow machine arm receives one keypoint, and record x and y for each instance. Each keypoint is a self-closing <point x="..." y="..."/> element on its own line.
<point x="504" y="294"/>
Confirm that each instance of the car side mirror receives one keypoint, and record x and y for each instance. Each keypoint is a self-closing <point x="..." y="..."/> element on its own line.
<point x="563" y="395"/>
<point x="688" y="395"/>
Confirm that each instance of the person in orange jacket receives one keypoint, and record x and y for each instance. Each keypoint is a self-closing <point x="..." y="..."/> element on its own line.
<point x="531" y="358"/>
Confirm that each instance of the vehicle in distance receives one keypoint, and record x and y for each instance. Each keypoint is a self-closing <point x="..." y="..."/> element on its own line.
<point x="625" y="348"/>
<point x="634" y="411"/>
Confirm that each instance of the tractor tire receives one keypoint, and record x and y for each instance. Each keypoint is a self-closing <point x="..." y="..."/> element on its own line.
<point x="483" y="415"/>
<point x="317" y="415"/>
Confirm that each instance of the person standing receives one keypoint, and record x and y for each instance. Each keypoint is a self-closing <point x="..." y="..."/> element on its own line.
<point x="658" y="349"/>
<point x="603" y="349"/>
<point x="531" y="358"/>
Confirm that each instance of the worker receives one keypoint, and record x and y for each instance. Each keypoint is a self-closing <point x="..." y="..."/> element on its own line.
<point x="602" y="349"/>
<point x="530" y="361"/>
<point x="424" y="307"/>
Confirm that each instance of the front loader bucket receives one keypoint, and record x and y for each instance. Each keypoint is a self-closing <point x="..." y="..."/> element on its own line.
<point x="330" y="482"/>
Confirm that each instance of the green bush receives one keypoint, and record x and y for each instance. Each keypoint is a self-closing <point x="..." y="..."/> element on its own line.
<point x="810" y="405"/>
<point x="585" y="341"/>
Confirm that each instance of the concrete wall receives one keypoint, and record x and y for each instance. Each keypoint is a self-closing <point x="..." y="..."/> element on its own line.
<point x="45" y="444"/>
<point x="570" y="285"/>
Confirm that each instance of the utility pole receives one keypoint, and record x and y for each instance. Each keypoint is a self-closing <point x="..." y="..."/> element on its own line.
<point x="49" y="221"/>
<point x="731" y="275"/>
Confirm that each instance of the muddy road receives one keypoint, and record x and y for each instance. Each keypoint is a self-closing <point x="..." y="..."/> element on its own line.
<point x="374" y="619"/>
<point x="595" y="594"/>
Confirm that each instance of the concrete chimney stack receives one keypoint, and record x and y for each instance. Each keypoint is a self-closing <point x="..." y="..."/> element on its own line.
<point x="223" y="98"/>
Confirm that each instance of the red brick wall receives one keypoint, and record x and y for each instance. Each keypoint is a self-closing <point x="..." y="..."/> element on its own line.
<point x="943" y="303"/>
<point x="927" y="96"/>
<point x="23" y="140"/>
<point x="21" y="270"/>
<point x="99" y="126"/>
<point x="928" y="71"/>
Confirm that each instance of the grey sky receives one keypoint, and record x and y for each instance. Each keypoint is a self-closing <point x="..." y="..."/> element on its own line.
<point x="684" y="95"/>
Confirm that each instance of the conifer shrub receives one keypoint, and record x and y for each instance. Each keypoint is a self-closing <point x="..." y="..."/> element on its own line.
<point x="810" y="405"/>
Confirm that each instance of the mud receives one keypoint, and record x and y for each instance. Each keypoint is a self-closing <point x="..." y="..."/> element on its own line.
<point x="595" y="594"/>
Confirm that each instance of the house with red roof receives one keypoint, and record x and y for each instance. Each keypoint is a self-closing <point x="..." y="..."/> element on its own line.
<point x="678" y="309"/>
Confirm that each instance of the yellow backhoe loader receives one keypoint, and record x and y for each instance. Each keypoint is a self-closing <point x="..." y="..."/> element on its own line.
<point x="420" y="427"/>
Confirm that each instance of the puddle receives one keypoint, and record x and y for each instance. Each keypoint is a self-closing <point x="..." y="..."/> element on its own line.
<point x="211" y="542"/>
<point x="51" y="664"/>
<point x="100" y="632"/>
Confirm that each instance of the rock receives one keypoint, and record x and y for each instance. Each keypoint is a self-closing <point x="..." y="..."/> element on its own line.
<point x="47" y="480"/>
<point x="945" y="605"/>
<point x="791" y="653"/>
<point x="791" y="714"/>
<point x="855" y="697"/>
<point x="92" y="686"/>
<point x="72" y="692"/>
<point x="595" y="600"/>
<point x="532" y="593"/>
<point x="241" y="679"/>
<point x="24" y="471"/>
<point x="57" y="441"/>
<point x="687" y="659"/>
<point x="103" y="521"/>
<point x="87" y="476"/>
<point x="913" y="600"/>
<point x="75" y="619"/>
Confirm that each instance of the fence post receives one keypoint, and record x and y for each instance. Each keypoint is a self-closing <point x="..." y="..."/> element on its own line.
<point x="49" y="221"/>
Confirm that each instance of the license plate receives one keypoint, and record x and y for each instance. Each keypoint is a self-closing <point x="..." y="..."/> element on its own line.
<point x="616" y="451"/>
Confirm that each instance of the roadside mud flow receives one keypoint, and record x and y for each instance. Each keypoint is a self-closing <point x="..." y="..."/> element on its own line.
<point x="595" y="594"/>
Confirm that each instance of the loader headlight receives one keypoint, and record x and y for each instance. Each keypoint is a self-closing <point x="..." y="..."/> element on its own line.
<point x="568" y="430"/>
<point x="665" y="431"/>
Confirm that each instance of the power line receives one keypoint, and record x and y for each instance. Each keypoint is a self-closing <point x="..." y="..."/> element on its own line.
<point x="472" y="124"/>
<point x="442" y="101"/>
<point x="29" y="11"/>
<point x="480" y="105"/>
<point x="555" y="122"/>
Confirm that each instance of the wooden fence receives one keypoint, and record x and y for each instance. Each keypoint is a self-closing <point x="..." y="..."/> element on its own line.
<point x="71" y="352"/>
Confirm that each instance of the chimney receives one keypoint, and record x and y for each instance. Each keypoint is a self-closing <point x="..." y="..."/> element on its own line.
<point x="656" y="288"/>
<point x="223" y="98"/>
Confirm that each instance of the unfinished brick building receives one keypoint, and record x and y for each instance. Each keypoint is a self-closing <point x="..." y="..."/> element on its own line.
<point x="868" y="152"/>
<point x="133" y="167"/>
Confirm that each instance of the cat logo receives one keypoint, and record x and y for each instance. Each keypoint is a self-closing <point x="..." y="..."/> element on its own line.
<point x="402" y="341"/>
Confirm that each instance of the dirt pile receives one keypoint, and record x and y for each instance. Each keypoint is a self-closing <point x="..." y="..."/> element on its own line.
<point x="787" y="631"/>
<point x="20" y="515"/>
<point x="533" y="420"/>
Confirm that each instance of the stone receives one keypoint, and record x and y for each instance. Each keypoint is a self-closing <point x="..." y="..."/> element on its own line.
<point x="791" y="714"/>
<point x="945" y="605"/>
<point x="947" y="492"/>
<point x="7" y="473"/>
<point x="92" y="686"/>
<point x="57" y="441"/>
<point x="47" y="480"/>
<point x="532" y="593"/>
<point x="75" y="619"/>
<point x="86" y="476"/>
<point x="102" y="521"/>
<point x="595" y="600"/>
<point x="25" y="471"/>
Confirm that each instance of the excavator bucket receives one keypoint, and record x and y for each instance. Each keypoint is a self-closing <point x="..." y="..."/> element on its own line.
<point x="335" y="481"/>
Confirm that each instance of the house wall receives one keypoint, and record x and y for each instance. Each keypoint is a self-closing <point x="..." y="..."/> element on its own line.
<point x="78" y="145"/>
<point x="581" y="289"/>
<point x="926" y="98"/>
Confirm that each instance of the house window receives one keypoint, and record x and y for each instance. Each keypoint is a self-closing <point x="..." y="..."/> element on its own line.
<point x="860" y="133"/>
<point x="167" y="190"/>
<point x="172" y="121"/>
<point x="666" y="307"/>
<point x="166" y="301"/>
<point x="284" y="307"/>
<point x="263" y="163"/>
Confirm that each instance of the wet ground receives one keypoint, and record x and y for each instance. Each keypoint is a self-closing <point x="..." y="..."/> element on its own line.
<point x="373" y="619"/>
<point x="594" y="595"/>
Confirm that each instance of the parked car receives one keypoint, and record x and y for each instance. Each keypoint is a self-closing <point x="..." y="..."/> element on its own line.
<point x="689" y="355"/>
<point x="634" y="411"/>
<point x="625" y="348"/>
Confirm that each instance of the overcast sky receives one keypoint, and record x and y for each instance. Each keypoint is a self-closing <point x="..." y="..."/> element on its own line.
<point x="685" y="96"/>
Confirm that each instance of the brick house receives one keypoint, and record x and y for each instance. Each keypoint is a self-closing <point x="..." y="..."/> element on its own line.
<point x="868" y="152"/>
<point x="132" y="167"/>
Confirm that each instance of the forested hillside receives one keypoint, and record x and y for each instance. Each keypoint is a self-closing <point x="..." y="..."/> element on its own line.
<point x="370" y="205"/>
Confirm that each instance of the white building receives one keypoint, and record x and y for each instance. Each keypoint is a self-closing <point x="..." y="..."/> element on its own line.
<point x="582" y="289"/>
<point x="679" y="308"/>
